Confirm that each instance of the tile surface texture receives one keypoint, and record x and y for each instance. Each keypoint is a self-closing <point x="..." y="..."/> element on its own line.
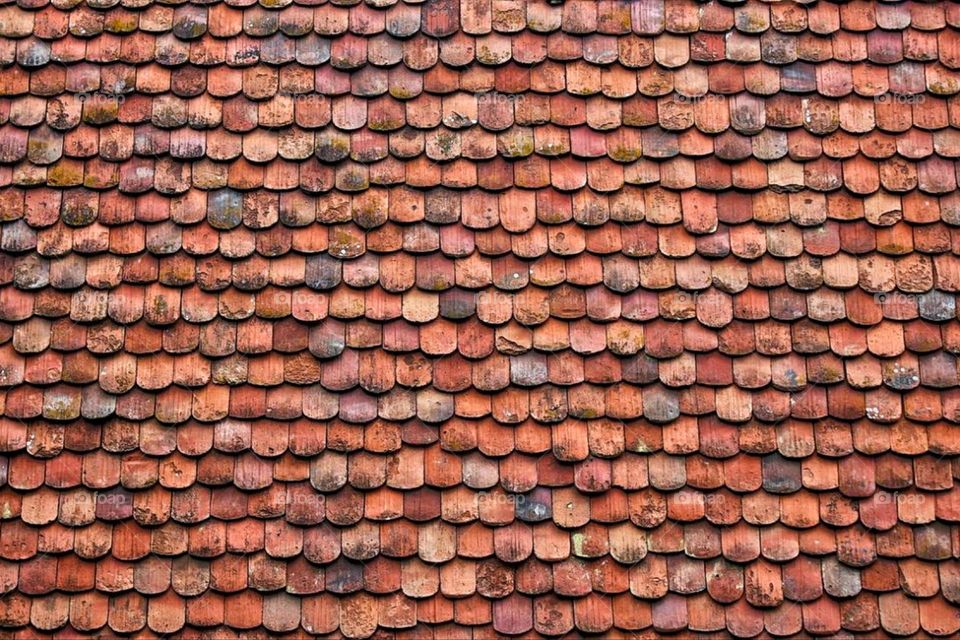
<point x="479" y="318"/>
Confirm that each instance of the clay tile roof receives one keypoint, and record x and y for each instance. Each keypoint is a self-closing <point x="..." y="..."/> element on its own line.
<point x="463" y="319"/>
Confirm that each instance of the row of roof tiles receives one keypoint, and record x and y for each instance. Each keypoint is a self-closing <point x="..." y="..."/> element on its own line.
<point x="709" y="435"/>
<point x="474" y="17"/>
<point x="192" y="361"/>
<point x="478" y="115"/>
<point x="604" y="447"/>
<point x="833" y="252"/>
<point x="525" y="223"/>
<point x="871" y="286"/>
<point x="51" y="222"/>
<point x="794" y="53"/>
<point x="652" y="576"/>
<point x="529" y="147"/>
<point x="529" y="321"/>
<point x="537" y="152"/>
<point x="661" y="261"/>
<point x="660" y="340"/>
<point x="796" y="579"/>
<point x="303" y="438"/>
<point x="615" y="542"/>
<point x="546" y="403"/>
<point x="252" y="615"/>
<point x="159" y="306"/>
<point x="866" y="179"/>
<point x="379" y="371"/>
<point x="769" y="491"/>
<point x="668" y="461"/>
<point x="912" y="55"/>
<point x="565" y="286"/>
<point x="479" y="111"/>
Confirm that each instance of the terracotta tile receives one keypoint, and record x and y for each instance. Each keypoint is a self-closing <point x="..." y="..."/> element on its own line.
<point x="899" y="614"/>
